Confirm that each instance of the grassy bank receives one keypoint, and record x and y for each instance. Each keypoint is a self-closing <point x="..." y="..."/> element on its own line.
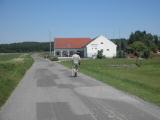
<point x="12" y="69"/>
<point x="123" y="74"/>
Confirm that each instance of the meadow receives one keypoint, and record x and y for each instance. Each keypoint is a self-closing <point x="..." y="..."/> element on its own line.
<point x="142" y="81"/>
<point x="12" y="68"/>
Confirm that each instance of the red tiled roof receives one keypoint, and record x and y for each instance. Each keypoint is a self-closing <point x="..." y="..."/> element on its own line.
<point x="71" y="42"/>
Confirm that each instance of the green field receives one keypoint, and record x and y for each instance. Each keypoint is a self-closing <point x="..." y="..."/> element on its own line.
<point x="12" y="68"/>
<point x="124" y="74"/>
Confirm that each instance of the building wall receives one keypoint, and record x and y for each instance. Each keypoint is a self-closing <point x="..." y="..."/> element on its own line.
<point x="101" y="43"/>
<point x="68" y="52"/>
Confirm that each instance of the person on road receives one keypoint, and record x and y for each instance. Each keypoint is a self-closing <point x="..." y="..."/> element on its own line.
<point x="76" y="62"/>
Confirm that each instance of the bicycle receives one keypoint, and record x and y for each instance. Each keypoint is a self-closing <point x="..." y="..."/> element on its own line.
<point x="75" y="70"/>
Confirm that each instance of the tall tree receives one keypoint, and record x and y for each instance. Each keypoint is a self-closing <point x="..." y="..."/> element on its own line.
<point x="142" y="43"/>
<point x="149" y="40"/>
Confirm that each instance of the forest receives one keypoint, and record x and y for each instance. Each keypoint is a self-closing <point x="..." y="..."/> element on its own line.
<point x="25" y="47"/>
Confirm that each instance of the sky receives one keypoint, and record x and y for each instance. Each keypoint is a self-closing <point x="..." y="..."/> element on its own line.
<point x="33" y="20"/>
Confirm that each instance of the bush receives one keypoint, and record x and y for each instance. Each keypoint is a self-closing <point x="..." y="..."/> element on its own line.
<point x="121" y="54"/>
<point x="100" y="54"/>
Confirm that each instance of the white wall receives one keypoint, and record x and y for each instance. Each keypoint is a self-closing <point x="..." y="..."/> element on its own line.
<point x="67" y="50"/>
<point x="101" y="42"/>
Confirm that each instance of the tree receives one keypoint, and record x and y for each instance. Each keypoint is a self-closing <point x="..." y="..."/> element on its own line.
<point x="24" y="47"/>
<point x="143" y="43"/>
<point x="146" y="54"/>
<point x="138" y="46"/>
<point x="137" y="36"/>
<point x="121" y="54"/>
<point x="122" y="45"/>
<point x="100" y="54"/>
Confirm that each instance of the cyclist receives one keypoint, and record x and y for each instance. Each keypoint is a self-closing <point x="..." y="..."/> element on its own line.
<point x="76" y="62"/>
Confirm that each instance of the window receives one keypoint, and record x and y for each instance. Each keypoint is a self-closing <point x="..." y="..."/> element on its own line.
<point x="65" y="53"/>
<point x="57" y="53"/>
<point x="71" y="53"/>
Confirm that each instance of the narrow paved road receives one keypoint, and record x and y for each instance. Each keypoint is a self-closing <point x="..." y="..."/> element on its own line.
<point x="48" y="92"/>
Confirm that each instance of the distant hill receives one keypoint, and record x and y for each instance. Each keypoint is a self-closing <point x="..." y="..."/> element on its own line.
<point x="25" y="47"/>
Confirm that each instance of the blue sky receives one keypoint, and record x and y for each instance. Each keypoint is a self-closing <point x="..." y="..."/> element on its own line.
<point x="31" y="20"/>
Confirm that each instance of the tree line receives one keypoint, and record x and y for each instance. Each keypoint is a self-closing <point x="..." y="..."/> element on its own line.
<point x="139" y="44"/>
<point x="25" y="47"/>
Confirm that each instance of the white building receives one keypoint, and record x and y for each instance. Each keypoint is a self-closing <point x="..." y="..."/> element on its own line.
<point x="65" y="47"/>
<point x="101" y="43"/>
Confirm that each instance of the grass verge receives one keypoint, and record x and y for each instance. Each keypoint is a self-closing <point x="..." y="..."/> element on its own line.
<point x="123" y="74"/>
<point x="12" y="69"/>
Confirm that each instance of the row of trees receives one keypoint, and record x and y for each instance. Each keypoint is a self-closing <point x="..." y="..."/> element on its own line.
<point x="140" y="43"/>
<point x="122" y="45"/>
<point x="24" y="47"/>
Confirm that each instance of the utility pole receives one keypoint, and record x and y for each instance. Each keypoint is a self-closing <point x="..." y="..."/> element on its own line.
<point x="50" y="45"/>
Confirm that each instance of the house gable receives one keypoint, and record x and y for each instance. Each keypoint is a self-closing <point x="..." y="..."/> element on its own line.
<point x="101" y="43"/>
<point x="102" y="40"/>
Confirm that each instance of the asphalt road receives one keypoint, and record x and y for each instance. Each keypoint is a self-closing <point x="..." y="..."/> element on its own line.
<point x="49" y="92"/>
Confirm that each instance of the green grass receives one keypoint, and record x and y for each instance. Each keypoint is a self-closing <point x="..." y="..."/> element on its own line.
<point x="8" y="56"/>
<point x="12" y="69"/>
<point x="123" y="74"/>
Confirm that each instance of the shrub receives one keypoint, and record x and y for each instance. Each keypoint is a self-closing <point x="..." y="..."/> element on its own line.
<point x="100" y="54"/>
<point x="121" y="54"/>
